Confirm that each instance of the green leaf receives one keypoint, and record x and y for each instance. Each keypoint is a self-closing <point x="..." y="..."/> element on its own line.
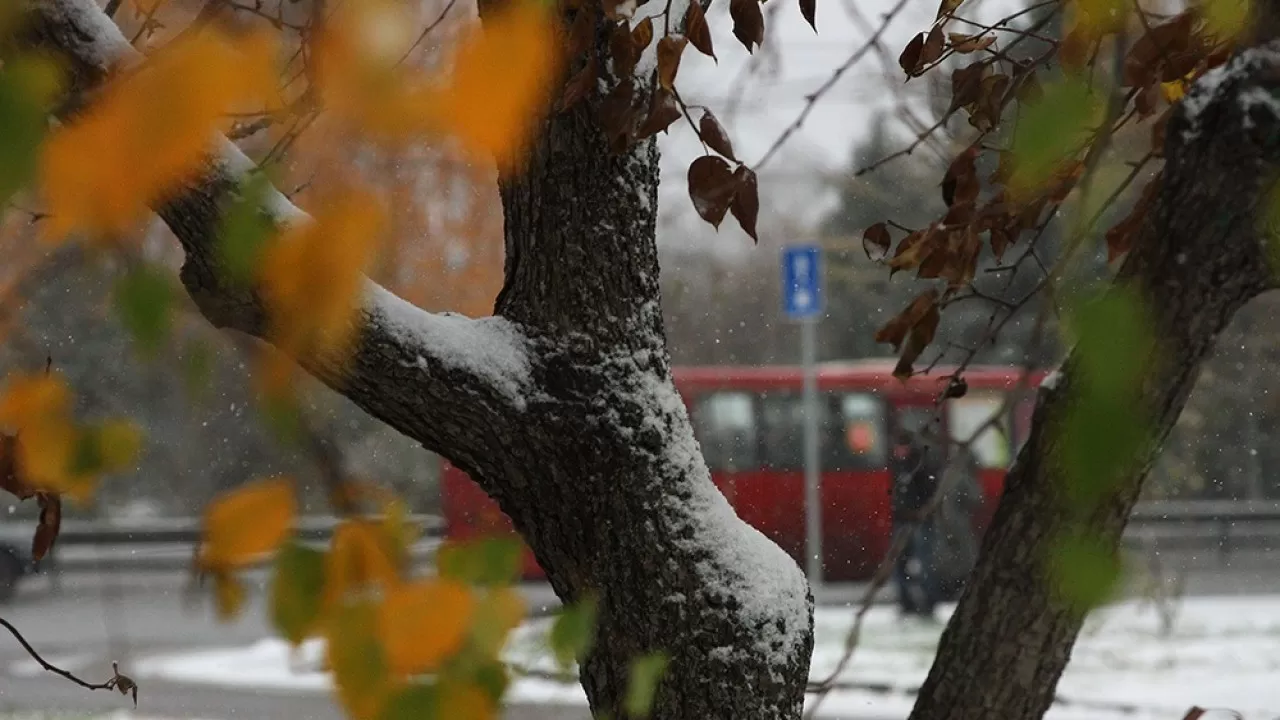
<point x="492" y="676"/>
<point x="245" y="230"/>
<point x="489" y="561"/>
<point x="416" y="702"/>
<point x="26" y="87"/>
<point x="574" y="631"/>
<point x="1052" y="130"/>
<point x="360" y="671"/>
<point x="1085" y="573"/>
<point x="144" y="298"/>
<point x="1104" y="426"/>
<point x="296" y="591"/>
<point x="646" y="673"/>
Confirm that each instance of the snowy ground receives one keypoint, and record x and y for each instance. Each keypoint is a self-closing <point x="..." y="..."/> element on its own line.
<point x="1221" y="653"/>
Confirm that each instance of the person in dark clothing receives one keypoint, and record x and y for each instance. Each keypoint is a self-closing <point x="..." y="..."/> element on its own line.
<point x="916" y="470"/>
<point x="957" y="541"/>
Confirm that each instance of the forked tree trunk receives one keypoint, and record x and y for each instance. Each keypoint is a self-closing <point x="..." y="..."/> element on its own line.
<point x="1201" y="256"/>
<point x="562" y="408"/>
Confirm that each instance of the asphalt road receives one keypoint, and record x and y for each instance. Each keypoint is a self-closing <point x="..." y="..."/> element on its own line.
<point x="96" y="618"/>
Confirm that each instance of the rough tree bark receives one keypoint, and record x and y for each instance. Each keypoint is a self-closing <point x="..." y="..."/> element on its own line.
<point x="1203" y="253"/>
<point x="561" y="407"/>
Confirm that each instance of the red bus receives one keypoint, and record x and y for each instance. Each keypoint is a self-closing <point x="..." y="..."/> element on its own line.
<point x="750" y="424"/>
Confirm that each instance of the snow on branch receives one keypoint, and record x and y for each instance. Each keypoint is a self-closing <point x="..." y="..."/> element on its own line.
<point x="436" y="357"/>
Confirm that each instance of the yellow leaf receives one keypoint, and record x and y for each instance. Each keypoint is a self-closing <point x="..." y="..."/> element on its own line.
<point x="38" y="409"/>
<point x="121" y="441"/>
<point x="1173" y="91"/>
<point x="30" y="399"/>
<point x="313" y="275"/>
<point x="248" y="522"/>
<point x="423" y="623"/>
<point x="500" y="86"/>
<point x="357" y="67"/>
<point x="359" y="668"/>
<point x="358" y="561"/>
<point x="500" y="611"/>
<point x="228" y="595"/>
<point x="149" y="131"/>
<point x="465" y="701"/>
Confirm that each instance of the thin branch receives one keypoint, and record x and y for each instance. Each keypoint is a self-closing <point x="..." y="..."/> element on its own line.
<point x="427" y="31"/>
<point x="812" y="98"/>
<point x="117" y="681"/>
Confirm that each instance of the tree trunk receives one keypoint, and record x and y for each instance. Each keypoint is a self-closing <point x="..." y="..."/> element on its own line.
<point x="1202" y="255"/>
<point x="561" y="407"/>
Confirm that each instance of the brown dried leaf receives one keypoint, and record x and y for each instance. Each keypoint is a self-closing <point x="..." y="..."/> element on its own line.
<point x="964" y="260"/>
<point x="959" y="214"/>
<point x="966" y="84"/>
<point x="1001" y="239"/>
<point x="1195" y="713"/>
<point x="935" y="263"/>
<point x="748" y="23"/>
<point x="695" y="28"/>
<point x="579" y="85"/>
<point x="580" y="35"/>
<point x="915" y="249"/>
<point x="909" y="60"/>
<point x="1147" y="100"/>
<point x="934" y="45"/>
<point x="619" y="9"/>
<point x="918" y="338"/>
<point x="670" y="48"/>
<point x="1164" y="45"/>
<point x="947" y="7"/>
<point x="711" y="187"/>
<point x="1074" y="50"/>
<point x="47" y="527"/>
<point x="713" y="134"/>
<point x="623" y="51"/>
<point x="876" y="242"/>
<point x="960" y="182"/>
<point x="895" y="331"/>
<point x="1120" y="238"/>
<point x="965" y="44"/>
<point x="663" y="110"/>
<point x="642" y="33"/>
<point x="746" y="201"/>
<point x="809" y="9"/>
<point x="993" y="93"/>
<point x="617" y="115"/>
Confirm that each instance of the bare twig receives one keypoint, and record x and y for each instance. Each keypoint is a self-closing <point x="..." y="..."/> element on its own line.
<point x="427" y="31"/>
<point x="812" y="98"/>
<point x="123" y="683"/>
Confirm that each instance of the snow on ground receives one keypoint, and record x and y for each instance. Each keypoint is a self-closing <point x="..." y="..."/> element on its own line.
<point x="1221" y="653"/>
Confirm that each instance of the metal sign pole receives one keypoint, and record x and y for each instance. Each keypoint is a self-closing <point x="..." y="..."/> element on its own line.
<point x="812" y="471"/>
<point x="802" y="301"/>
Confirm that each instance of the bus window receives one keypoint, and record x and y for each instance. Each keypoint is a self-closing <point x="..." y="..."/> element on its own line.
<point x="967" y="415"/>
<point x="782" y="430"/>
<point x="725" y="425"/>
<point x="859" y="440"/>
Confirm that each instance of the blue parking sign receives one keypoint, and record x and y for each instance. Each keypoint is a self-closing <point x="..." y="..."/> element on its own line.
<point x="802" y="281"/>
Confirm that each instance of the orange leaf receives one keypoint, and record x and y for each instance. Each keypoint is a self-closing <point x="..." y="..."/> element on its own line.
<point x="312" y="277"/>
<point x="423" y="623"/>
<point x="359" y="559"/>
<point x="501" y="83"/>
<point x="248" y="522"/>
<point x="465" y="701"/>
<point x="149" y="131"/>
